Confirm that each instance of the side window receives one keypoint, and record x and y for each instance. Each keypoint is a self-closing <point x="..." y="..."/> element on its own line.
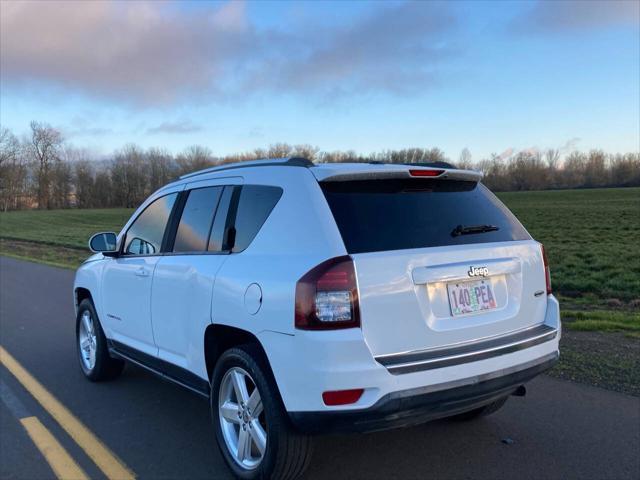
<point x="195" y="223"/>
<point x="216" y="239"/>
<point x="254" y="206"/>
<point x="145" y="234"/>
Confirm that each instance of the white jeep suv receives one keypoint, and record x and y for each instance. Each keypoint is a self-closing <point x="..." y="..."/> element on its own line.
<point x="303" y="298"/>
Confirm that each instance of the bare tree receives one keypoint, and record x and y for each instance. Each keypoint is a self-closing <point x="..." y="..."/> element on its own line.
<point x="552" y="157"/>
<point x="43" y="171"/>
<point x="305" y="151"/>
<point x="573" y="170"/>
<point x="595" y="173"/>
<point x="44" y="149"/>
<point x="84" y="181"/>
<point x="280" y="150"/>
<point x="13" y="172"/>
<point x="194" y="158"/>
<point x="128" y="178"/>
<point x="161" y="168"/>
<point x="465" y="160"/>
<point x="61" y="184"/>
<point x="102" y="191"/>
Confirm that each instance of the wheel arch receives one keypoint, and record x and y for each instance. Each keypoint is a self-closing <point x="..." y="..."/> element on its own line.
<point x="80" y="294"/>
<point x="219" y="338"/>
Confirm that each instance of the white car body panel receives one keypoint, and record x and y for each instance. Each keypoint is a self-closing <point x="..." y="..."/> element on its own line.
<point x="126" y="300"/>
<point x="181" y="308"/>
<point x="401" y="315"/>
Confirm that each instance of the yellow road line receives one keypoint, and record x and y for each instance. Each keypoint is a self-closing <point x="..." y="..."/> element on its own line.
<point x="110" y="465"/>
<point x="59" y="460"/>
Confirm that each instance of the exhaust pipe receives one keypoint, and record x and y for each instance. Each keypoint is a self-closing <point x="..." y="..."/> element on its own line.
<point x="521" y="391"/>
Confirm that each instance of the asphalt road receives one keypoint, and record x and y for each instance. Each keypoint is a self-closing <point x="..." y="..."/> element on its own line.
<point x="559" y="430"/>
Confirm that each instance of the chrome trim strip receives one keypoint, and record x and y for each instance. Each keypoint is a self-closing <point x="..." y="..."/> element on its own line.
<point x="445" y="357"/>
<point x="459" y="270"/>
<point x="551" y="357"/>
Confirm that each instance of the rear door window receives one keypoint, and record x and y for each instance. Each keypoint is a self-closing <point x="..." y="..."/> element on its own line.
<point x="382" y="215"/>
<point x="254" y="205"/>
<point x="196" y="220"/>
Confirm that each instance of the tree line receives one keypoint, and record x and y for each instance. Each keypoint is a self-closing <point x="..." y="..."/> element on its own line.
<point x="41" y="170"/>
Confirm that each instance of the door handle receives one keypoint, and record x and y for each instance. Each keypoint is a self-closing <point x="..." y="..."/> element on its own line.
<point x="142" y="272"/>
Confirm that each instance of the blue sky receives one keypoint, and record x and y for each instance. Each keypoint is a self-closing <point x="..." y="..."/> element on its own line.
<point x="490" y="76"/>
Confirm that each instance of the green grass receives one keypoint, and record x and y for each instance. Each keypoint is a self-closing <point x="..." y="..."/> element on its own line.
<point x="602" y="321"/>
<point x="67" y="228"/>
<point x="592" y="238"/>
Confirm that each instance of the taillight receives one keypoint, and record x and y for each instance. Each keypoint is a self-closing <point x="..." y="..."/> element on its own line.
<point x="547" y="274"/>
<point x="327" y="296"/>
<point x="425" y="173"/>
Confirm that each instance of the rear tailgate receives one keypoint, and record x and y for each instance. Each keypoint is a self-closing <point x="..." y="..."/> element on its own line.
<point x="405" y="304"/>
<point x="439" y="262"/>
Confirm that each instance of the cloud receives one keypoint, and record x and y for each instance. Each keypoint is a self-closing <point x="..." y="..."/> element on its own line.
<point x="530" y="151"/>
<point x="574" y="15"/>
<point x="508" y="153"/>
<point x="395" y="50"/>
<point x="135" y="50"/>
<point x="570" y="145"/>
<point x="178" y="127"/>
<point x="158" y="53"/>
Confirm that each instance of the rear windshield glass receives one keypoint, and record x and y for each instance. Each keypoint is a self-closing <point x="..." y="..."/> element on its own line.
<point x="380" y="215"/>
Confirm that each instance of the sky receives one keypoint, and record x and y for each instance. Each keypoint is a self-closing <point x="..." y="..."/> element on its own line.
<point x="493" y="77"/>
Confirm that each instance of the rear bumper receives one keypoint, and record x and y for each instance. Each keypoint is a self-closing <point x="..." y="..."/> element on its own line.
<point x="419" y="405"/>
<point x="309" y="363"/>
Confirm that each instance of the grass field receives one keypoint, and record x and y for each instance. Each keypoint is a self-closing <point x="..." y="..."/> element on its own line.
<point x="592" y="239"/>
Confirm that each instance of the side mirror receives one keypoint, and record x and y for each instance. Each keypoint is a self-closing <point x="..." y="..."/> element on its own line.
<point x="104" y="242"/>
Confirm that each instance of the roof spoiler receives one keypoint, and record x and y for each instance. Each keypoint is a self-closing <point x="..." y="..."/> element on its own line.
<point x="394" y="172"/>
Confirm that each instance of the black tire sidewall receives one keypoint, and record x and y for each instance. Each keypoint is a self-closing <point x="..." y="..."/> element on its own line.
<point x="244" y="358"/>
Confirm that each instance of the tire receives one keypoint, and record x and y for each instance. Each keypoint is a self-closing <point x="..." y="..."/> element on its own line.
<point x="103" y="367"/>
<point x="287" y="453"/>
<point x="492" y="407"/>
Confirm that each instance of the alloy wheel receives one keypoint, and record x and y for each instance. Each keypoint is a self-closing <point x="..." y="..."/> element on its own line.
<point x="87" y="341"/>
<point x="242" y="418"/>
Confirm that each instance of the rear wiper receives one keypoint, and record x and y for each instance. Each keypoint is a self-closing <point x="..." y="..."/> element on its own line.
<point x="467" y="229"/>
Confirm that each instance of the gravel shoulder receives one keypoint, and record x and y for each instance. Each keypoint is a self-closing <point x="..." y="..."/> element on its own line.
<point x="609" y="360"/>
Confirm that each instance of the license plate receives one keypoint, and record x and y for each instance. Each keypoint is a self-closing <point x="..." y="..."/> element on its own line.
<point x="470" y="297"/>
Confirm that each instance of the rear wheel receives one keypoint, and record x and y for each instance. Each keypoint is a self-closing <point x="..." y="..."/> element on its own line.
<point x="251" y="426"/>
<point x="493" y="407"/>
<point x="93" y="352"/>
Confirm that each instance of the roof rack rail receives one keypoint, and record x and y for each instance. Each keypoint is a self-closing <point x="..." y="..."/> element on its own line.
<point x="267" y="162"/>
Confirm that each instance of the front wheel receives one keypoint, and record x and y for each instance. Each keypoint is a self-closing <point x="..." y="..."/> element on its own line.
<point x="251" y="426"/>
<point x="93" y="352"/>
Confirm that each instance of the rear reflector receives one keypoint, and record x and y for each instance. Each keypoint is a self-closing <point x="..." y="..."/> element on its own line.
<point x="547" y="273"/>
<point x="426" y="173"/>
<point x="342" y="397"/>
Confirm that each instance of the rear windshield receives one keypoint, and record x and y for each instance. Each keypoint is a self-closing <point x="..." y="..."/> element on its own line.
<point x="380" y="215"/>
